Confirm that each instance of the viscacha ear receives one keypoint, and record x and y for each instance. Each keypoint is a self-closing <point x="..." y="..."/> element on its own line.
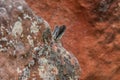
<point x="58" y="32"/>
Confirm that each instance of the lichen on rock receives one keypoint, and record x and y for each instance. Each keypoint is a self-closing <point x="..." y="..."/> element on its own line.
<point x="17" y="28"/>
<point x="27" y="46"/>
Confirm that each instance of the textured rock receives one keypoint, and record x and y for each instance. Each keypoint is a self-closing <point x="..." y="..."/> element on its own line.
<point x="93" y="33"/>
<point x="28" y="49"/>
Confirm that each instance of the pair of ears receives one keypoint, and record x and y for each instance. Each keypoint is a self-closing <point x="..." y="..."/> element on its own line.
<point x="56" y="35"/>
<point x="58" y="32"/>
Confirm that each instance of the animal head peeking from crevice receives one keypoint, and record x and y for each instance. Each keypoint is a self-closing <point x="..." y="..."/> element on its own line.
<point x="57" y="58"/>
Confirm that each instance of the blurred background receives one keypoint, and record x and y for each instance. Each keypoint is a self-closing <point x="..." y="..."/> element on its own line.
<point x="92" y="35"/>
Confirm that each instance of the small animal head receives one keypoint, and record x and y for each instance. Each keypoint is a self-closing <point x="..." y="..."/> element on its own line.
<point x="60" y="64"/>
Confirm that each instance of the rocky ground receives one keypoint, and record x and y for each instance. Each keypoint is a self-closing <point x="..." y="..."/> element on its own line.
<point x="93" y="33"/>
<point x="28" y="48"/>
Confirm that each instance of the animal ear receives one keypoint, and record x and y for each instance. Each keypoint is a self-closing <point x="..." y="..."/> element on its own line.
<point x="58" y="32"/>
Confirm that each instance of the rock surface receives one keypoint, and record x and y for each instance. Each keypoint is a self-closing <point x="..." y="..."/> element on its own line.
<point x="93" y="33"/>
<point x="28" y="49"/>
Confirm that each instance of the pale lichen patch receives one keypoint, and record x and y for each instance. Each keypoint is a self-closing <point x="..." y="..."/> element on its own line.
<point x="20" y="7"/>
<point x="42" y="72"/>
<point x="3" y="49"/>
<point x="26" y="16"/>
<point x="3" y="39"/>
<point x="42" y="61"/>
<point x="30" y="40"/>
<point x="36" y="48"/>
<point x="18" y="70"/>
<point x="2" y="29"/>
<point x="10" y="43"/>
<point x="17" y="29"/>
<point x="10" y="6"/>
<point x="34" y="27"/>
<point x="8" y="31"/>
<point x="19" y="18"/>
